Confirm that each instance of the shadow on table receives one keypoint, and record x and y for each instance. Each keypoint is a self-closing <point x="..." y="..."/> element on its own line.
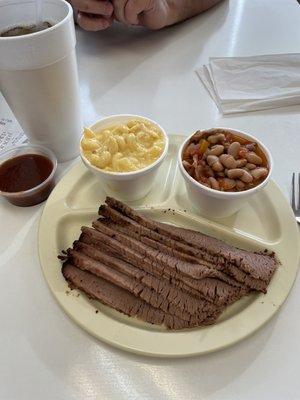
<point x="108" y="57"/>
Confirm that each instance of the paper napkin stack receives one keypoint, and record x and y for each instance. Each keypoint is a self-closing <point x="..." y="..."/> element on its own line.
<point x="241" y="84"/>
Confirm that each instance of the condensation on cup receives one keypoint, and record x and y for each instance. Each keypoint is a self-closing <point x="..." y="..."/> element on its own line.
<point x="38" y="75"/>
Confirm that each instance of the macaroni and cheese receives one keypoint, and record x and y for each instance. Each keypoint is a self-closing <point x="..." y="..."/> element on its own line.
<point x="123" y="148"/>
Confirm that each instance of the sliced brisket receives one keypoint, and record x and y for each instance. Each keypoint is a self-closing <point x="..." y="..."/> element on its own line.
<point x="260" y="267"/>
<point x="179" y="298"/>
<point x="165" y="300"/>
<point x="140" y="261"/>
<point x="210" y="289"/>
<point x="191" y="270"/>
<point x="232" y="274"/>
<point x="158" y="245"/>
<point x="160" y="273"/>
<point x="120" y="299"/>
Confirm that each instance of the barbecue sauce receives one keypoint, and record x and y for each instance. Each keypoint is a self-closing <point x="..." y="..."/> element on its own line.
<point x="25" y="172"/>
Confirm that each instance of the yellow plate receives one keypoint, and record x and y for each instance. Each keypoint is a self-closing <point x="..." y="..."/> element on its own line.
<point x="265" y="222"/>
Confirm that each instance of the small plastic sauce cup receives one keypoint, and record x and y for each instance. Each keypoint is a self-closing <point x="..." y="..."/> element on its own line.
<point x="35" y="194"/>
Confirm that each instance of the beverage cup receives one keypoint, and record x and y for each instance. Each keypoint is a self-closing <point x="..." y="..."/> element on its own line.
<point x="38" y="75"/>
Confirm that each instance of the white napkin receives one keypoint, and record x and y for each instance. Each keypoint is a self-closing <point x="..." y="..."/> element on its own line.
<point x="239" y="84"/>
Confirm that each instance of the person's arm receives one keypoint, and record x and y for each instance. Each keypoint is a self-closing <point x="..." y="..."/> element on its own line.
<point x="181" y="10"/>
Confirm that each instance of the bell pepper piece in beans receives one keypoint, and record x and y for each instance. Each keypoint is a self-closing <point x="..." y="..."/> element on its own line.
<point x="224" y="161"/>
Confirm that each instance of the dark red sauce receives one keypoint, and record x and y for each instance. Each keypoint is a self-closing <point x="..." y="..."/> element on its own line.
<point x="23" y="173"/>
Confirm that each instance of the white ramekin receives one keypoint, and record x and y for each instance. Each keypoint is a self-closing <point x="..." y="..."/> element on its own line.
<point x="127" y="186"/>
<point x="213" y="203"/>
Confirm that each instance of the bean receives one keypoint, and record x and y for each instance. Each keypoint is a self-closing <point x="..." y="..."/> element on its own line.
<point x="240" y="185"/>
<point x="216" y="138"/>
<point x="214" y="183"/>
<point x="253" y="158"/>
<point x="228" y="161"/>
<point x="250" y="166"/>
<point x="246" y="177"/>
<point x="241" y="174"/>
<point x="242" y="162"/>
<point x="220" y="174"/>
<point x="234" y="149"/>
<point x="214" y="163"/>
<point x="212" y="159"/>
<point x="216" y="150"/>
<point x="227" y="184"/>
<point x="235" y="173"/>
<point x="259" y="173"/>
<point x="217" y="166"/>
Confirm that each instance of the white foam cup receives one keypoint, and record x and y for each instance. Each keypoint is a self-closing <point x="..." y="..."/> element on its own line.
<point x="38" y="75"/>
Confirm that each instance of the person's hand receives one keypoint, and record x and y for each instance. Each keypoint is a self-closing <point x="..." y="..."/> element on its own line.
<point x="93" y="15"/>
<point x="153" y="14"/>
<point x="156" y="14"/>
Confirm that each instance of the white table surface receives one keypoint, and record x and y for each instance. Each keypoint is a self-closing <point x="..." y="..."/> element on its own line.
<point x="43" y="354"/>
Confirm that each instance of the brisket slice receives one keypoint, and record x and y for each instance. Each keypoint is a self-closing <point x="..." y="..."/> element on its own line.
<point x="234" y="275"/>
<point x="212" y="290"/>
<point x="86" y="263"/>
<point x="230" y="274"/>
<point x="211" y="293"/>
<point x="158" y="245"/>
<point x="178" y="249"/>
<point x="102" y="242"/>
<point x="177" y="298"/>
<point x="190" y="270"/>
<point x="258" y="266"/>
<point x="120" y="299"/>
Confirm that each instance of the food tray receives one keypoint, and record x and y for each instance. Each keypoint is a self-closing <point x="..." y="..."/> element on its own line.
<point x="265" y="222"/>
